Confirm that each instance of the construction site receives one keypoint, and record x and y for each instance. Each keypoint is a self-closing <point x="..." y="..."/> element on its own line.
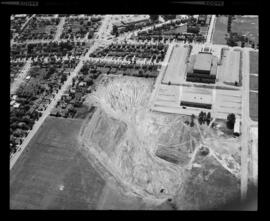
<point x="151" y="154"/>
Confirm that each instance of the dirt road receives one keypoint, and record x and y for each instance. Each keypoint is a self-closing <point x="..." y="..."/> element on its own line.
<point x="211" y="29"/>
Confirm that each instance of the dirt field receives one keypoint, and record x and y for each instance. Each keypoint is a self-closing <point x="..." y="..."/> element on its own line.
<point x="254" y="62"/>
<point x="253" y="106"/>
<point x="112" y="131"/>
<point x="52" y="173"/>
<point x="220" y="30"/>
<point x="253" y="83"/>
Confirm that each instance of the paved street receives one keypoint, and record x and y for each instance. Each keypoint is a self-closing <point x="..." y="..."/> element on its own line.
<point x="59" y="29"/>
<point x="210" y="30"/>
<point x="245" y="122"/>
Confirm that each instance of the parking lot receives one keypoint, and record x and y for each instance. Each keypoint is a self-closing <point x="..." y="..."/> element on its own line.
<point x="228" y="72"/>
<point x="226" y="102"/>
<point x="176" y="69"/>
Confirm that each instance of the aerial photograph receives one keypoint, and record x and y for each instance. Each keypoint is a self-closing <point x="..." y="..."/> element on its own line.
<point x="133" y="111"/>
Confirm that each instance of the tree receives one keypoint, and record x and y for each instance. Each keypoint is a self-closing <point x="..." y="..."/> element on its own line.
<point x="231" y="42"/>
<point x="230" y="121"/>
<point x="115" y="30"/>
<point x="208" y="118"/>
<point x="154" y="18"/>
<point x="192" y="117"/>
<point x="200" y="117"/>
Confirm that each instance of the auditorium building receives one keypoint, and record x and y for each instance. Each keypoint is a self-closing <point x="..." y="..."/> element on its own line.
<point x="202" y="68"/>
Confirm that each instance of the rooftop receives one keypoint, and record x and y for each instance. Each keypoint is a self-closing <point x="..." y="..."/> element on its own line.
<point x="203" y="62"/>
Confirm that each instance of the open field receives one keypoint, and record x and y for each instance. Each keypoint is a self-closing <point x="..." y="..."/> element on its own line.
<point x="253" y="83"/>
<point x="253" y="105"/>
<point x="254" y="62"/>
<point x="248" y="26"/>
<point x="177" y="66"/>
<point x="113" y="199"/>
<point x="52" y="173"/>
<point x="220" y="30"/>
<point x="208" y="186"/>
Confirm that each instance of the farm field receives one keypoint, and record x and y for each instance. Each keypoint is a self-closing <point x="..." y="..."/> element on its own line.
<point x="52" y="173"/>
<point x="253" y="82"/>
<point x="254" y="62"/>
<point x="253" y="105"/>
<point x="248" y="26"/>
<point x="220" y="30"/>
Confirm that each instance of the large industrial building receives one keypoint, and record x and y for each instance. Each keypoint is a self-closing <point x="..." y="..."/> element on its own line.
<point x="202" y="68"/>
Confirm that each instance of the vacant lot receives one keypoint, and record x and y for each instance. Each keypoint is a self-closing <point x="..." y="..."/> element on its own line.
<point x="220" y="30"/>
<point x="107" y="132"/>
<point x="208" y="187"/>
<point x="248" y="26"/>
<point x="253" y="106"/>
<point x="254" y="62"/>
<point x="253" y="83"/>
<point x="52" y="173"/>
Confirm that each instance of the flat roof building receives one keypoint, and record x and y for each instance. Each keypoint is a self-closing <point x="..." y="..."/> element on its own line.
<point x="202" y="68"/>
<point x="236" y="129"/>
<point x="203" y="62"/>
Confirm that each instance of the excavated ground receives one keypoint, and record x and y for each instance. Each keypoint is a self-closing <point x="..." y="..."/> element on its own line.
<point x="149" y="154"/>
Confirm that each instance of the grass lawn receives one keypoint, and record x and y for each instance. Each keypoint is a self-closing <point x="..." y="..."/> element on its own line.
<point x="254" y="62"/>
<point x="247" y="26"/>
<point x="253" y="106"/>
<point x="208" y="187"/>
<point x="220" y="30"/>
<point x="52" y="173"/>
<point x="253" y="83"/>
